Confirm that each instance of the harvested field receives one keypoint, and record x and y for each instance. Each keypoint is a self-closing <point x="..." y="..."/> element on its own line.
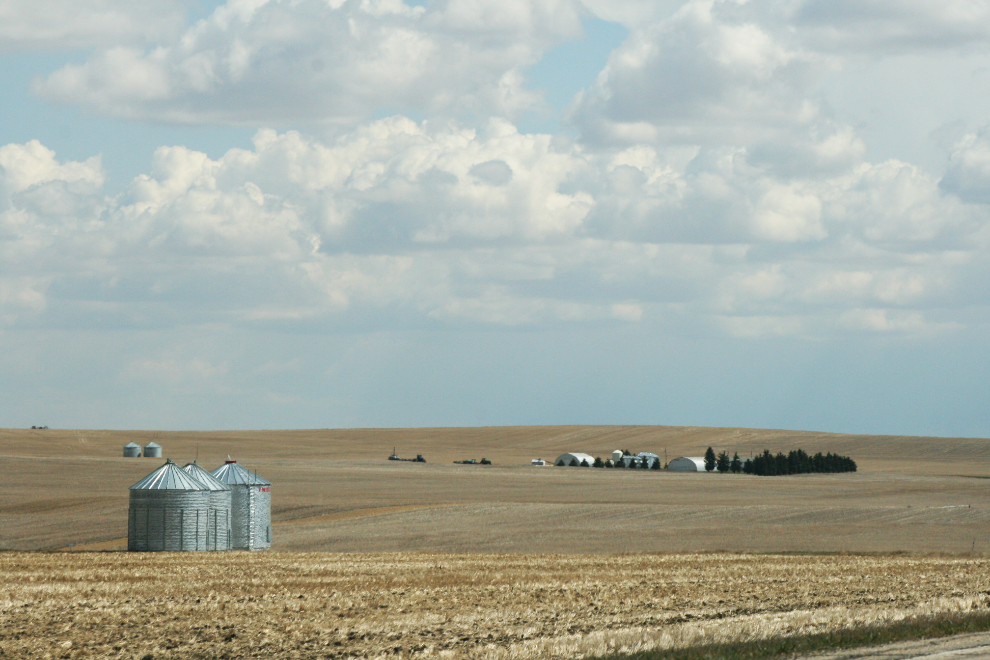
<point x="334" y="491"/>
<point x="239" y="605"/>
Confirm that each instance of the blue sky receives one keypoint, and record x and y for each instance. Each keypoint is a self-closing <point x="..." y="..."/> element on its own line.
<point x="262" y="214"/>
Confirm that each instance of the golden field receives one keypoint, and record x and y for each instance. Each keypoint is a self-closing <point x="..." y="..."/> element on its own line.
<point x="408" y="605"/>
<point x="380" y="559"/>
<point x="335" y="491"/>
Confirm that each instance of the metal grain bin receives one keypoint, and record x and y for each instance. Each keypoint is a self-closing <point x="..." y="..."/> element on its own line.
<point x="152" y="450"/>
<point x="132" y="450"/>
<point x="169" y="511"/>
<point x="218" y="525"/>
<point x="250" y="506"/>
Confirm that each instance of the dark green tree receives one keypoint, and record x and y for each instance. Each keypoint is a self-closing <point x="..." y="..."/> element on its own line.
<point x="722" y="462"/>
<point x="656" y="465"/>
<point x="584" y="462"/>
<point x="620" y="463"/>
<point x="574" y="462"/>
<point x="598" y="462"/>
<point x="709" y="460"/>
<point x="736" y="465"/>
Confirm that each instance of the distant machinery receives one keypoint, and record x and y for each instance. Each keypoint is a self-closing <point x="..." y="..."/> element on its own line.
<point x="250" y="506"/>
<point x="132" y="450"/>
<point x="169" y="511"/>
<point x="152" y="450"/>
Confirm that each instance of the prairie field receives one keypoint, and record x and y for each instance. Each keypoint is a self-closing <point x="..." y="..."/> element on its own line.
<point x="422" y="605"/>
<point x="335" y="491"/>
<point x="383" y="559"/>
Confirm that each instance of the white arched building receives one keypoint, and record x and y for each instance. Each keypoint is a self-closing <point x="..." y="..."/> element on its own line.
<point x="687" y="464"/>
<point x="565" y="459"/>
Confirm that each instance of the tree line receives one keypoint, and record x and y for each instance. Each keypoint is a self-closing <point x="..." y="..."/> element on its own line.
<point x="798" y="461"/>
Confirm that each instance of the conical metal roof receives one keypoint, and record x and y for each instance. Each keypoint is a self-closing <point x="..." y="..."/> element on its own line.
<point x="168" y="477"/>
<point x="133" y="444"/>
<point x="233" y="474"/>
<point x="199" y="473"/>
<point x="152" y="444"/>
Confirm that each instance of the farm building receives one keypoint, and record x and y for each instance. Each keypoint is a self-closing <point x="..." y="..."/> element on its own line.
<point x="250" y="506"/>
<point x="687" y="464"/>
<point x="169" y="511"/>
<point x="627" y="460"/>
<point x="565" y="459"/>
<point x="218" y="525"/>
<point x="132" y="450"/>
<point x="152" y="450"/>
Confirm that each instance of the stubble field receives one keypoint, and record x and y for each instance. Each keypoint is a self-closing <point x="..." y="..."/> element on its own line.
<point x="322" y="605"/>
<point x="335" y="491"/>
<point x="380" y="559"/>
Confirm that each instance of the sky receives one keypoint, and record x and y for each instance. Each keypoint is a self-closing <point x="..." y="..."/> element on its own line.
<point x="265" y="214"/>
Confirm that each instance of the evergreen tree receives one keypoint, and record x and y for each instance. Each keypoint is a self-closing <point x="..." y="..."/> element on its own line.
<point x="584" y="462"/>
<point x="722" y="462"/>
<point x="736" y="465"/>
<point x="656" y="465"/>
<point x="709" y="460"/>
<point x="598" y="462"/>
<point x="574" y="462"/>
<point x="620" y="463"/>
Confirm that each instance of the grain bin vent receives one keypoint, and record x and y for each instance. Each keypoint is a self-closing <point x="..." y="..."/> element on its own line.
<point x="218" y="524"/>
<point x="250" y="506"/>
<point x="169" y="510"/>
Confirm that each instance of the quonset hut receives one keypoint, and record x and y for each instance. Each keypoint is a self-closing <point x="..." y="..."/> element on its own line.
<point x="132" y="450"/>
<point x="218" y="523"/>
<point x="169" y="511"/>
<point x="566" y="459"/>
<point x="687" y="464"/>
<point x="250" y="506"/>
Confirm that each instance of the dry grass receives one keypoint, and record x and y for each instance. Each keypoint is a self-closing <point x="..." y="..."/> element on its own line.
<point x="452" y="606"/>
<point x="334" y="490"/>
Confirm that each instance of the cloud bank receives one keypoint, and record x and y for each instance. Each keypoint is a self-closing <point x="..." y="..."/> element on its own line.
<point x="704" y="184"/>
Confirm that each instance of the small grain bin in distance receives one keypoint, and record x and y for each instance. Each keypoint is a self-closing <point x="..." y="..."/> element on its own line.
<point x="617" y="455"/>
<point x="687" y="464"/>
<point x="218" y="524"/>
<point x="132" y="450"/>
<point x="152" y="450"/>
<point x="169" y="511"/>
<point x="250" y="506"/>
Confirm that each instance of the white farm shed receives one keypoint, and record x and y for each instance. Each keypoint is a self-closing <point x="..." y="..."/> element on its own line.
<point x="687" y="464"/>
<point x="565" y="459"/>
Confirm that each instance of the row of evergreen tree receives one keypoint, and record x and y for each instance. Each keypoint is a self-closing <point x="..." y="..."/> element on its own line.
<point x="798" y="462"/>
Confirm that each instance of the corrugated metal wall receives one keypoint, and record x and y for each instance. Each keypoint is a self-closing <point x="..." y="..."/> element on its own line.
<point x="168" y="520"/>
<point x="219" y="525"/>
<point x="251" y="516"/>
